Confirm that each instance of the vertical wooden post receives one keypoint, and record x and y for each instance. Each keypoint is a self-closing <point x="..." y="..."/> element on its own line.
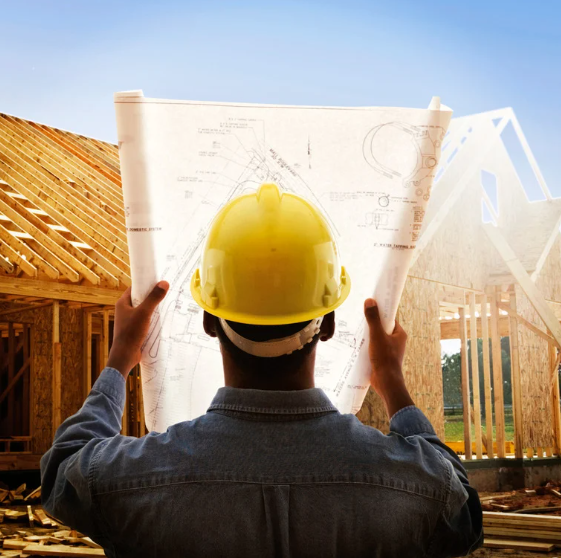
<point x="515" y="375"/>
<point x="57" y="368"/>
<point x="475" y="377"/>
<point x="87" y="317"/>
<point x="465" y="382"/>
<point x="487" y="378"/>
<point x="105" y="339"/>
<point x="26" y="380"/>
<point x="554" y="366"/>
<point x="11" y="373"/>
<point x="497" y="376"/>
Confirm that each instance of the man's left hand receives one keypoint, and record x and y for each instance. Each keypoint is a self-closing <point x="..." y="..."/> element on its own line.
<point x="131" y="328"/>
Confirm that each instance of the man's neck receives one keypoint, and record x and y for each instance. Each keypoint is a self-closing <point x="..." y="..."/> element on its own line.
<point x="295" y="382"/>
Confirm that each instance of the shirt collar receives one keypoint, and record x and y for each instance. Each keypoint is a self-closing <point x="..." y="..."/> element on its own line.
<point x="307" y="402"/>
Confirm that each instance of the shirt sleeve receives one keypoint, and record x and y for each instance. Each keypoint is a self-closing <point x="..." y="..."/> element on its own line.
<point x="459" y="530"/>
<point x="68" y="468"/>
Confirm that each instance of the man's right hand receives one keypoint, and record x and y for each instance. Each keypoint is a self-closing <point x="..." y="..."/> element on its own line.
<point x="386" y="357"/>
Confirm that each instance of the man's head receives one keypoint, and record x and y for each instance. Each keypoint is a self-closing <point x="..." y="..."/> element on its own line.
<point x="288" y="371"/>
<point x="270" y="259"/>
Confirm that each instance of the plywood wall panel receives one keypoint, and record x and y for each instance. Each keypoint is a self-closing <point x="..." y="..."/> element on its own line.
<point x="537" y="414"/>
<point x="418" y="314"/>
<point x="373" y="412"/>
<point x="71" y="339"/>
<point x="549" y="278"/>
<point x="459" y="253"/>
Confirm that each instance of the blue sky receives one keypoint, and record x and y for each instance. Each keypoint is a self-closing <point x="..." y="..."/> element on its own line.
<point x="61" y="61"/>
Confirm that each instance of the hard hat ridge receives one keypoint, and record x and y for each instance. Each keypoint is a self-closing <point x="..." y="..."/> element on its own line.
<point x="270" y="258"/>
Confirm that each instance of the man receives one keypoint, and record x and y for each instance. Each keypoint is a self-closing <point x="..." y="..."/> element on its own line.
<point x="272" y="468"/>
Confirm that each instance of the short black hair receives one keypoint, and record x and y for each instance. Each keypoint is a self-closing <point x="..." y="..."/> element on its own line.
<point x="283" y="364"/>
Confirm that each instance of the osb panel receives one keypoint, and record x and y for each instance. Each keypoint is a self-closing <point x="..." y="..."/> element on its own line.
<point x="373" y="412"/>
<point x="548" y="280"/>
<point x="537" y="416"/>
<point x="72" y="376"/>
<point x="418" y="314"/>
<point x="458" y="253"/>
<point x="527" y="226"/>
<point x="41" y="384"/>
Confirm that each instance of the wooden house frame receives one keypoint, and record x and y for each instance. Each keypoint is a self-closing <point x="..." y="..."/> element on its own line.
<point x="485" y="280"/>
<point x="64" y="263"/>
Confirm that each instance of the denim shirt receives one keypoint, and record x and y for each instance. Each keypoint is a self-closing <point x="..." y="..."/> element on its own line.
<point x="261" y="474"/>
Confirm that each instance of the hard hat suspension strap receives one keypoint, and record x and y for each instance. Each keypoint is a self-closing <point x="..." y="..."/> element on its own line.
<point x="273" y="347"/>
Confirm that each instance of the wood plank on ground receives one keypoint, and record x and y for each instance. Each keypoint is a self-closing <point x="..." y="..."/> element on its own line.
<point x="518" y="545"/>
<point x="60" y="550"/>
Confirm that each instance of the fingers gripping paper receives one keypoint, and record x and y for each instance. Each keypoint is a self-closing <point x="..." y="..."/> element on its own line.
<point x="370" y="170"/>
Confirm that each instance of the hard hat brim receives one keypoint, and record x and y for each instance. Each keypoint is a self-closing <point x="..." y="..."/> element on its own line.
<point x="255" y="319"/>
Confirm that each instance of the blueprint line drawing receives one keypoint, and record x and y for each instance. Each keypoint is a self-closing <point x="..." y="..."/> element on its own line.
<point x="182" y="161"/>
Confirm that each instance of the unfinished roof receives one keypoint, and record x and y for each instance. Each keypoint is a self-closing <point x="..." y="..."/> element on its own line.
<point x="62" y="224"/>
<point x="473" y="147"/>
<point x="61" y="208"/>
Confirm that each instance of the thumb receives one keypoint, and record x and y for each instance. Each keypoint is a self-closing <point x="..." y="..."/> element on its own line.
<point x="156" y="296"/>
<point x="372" y="314"/>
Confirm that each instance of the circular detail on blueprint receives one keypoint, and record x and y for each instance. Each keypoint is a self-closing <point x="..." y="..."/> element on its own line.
<point x="391" y="150"/>
<point x="426" y="197"/>
<point x="419" y="191"/>
<point x="430" y="162"/>
<point x="384" y="201"/>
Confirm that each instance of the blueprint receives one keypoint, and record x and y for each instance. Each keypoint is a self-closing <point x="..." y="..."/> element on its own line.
<point x="370" y="170"/>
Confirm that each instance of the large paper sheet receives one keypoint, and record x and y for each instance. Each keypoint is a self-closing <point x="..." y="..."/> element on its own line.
<point x="370" y="170"/>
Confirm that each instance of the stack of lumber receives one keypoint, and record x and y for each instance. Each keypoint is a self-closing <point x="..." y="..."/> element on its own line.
<point x="522" y="531"/>
<point x="62" y="543"/>
<point x="15" y="497"/>
<point x="12" y="496"/>
<point x="37" y="516"/>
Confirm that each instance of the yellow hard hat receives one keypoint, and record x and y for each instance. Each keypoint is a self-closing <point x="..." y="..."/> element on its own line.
<point x="270" y="259"/>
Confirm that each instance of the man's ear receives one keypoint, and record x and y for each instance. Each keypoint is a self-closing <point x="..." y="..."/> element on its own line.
<point x="327" y="328"/>
<point x="209" y="324"/>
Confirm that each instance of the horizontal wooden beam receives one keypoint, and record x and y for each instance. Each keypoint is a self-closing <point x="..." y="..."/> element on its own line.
<point x="32" y="307"/>
<point x="450" y="329"/>
<point x="58" y="291"/>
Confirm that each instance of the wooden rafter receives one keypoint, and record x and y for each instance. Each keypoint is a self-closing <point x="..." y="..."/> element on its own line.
<point x="92" y="154"/>
<point x="16" y="169"/>
<point x="71" y="221"/>
<point x="7" y="266"/>
<point x="98" y="170"/>
<point x="16" y="258"/>
<point x="520" y="274"/>
<point x="72" y="166"/>
<point x="74" y="259"/>
<point x="40" y="160"/>
<point x="30" y="255"/>
<point x="529" y="325"/>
